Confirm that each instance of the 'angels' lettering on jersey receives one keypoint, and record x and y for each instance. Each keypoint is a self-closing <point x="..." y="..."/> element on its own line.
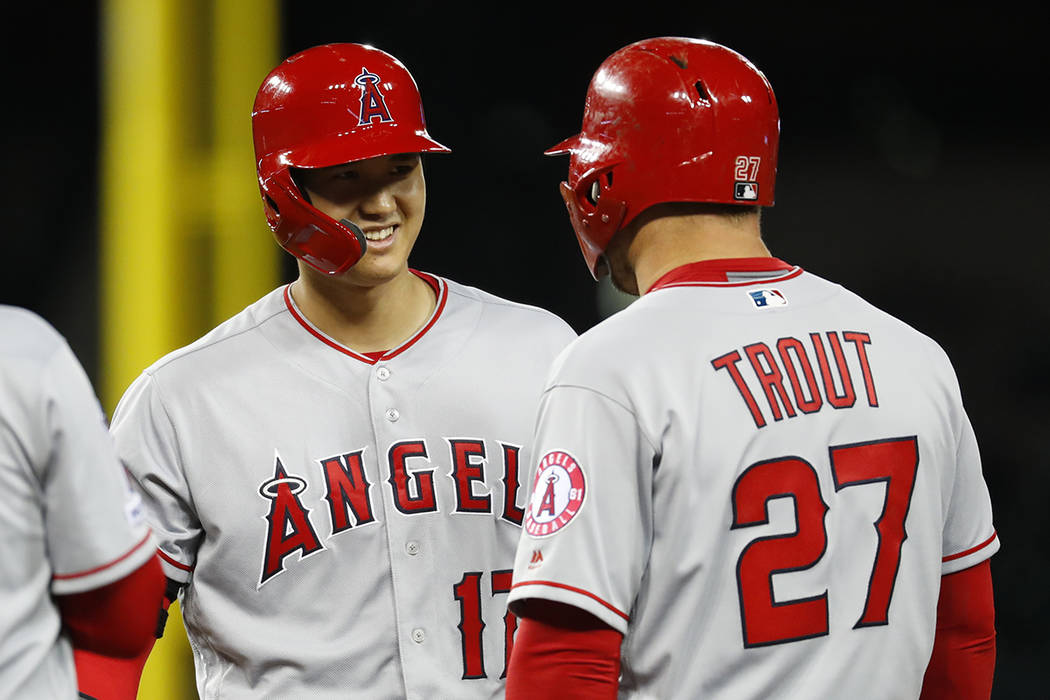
<point x="348" y="494"/>
<point x="785" y="373"/>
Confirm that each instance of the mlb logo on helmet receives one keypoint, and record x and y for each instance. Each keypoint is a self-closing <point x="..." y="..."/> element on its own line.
<point x="766" y="298"/>
<point x="746" y="191"/>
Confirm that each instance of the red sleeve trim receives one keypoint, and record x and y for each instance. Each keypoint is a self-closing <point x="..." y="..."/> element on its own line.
<point x="590" y="595"/>
<point x="971" y="550"/>
<point x="103" y="567"/>
<point x="176" y="564"/>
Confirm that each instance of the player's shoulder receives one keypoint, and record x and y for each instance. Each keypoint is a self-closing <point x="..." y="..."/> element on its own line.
<point x="901" y="331"/>
<point x="512" y="312"/>
<point x="610" y="349"/>
<point x="235" y="330"/>
<point x="35" y="358"/>
<point x="24" y="333"/>
<point x="913" y="347"/>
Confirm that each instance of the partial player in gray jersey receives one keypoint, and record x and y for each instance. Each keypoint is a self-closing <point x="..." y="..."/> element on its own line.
<point x="750" y="483"/>
<point x="333" y="474"/>
<point x="78" y="558"/>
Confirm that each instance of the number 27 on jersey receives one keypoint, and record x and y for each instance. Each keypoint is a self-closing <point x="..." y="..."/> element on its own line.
<point x="890" y="464"/>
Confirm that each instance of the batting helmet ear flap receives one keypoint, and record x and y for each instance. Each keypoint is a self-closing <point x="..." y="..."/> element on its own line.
<point x="595" y="223"/>
<point x="327" y="245"/>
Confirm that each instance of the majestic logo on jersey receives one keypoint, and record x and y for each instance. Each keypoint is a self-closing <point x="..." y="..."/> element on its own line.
<point x="373" y="103"/>
<point x="557" y="494"/>
<point x="766" y="298"/>
<point x="537" y="559"/>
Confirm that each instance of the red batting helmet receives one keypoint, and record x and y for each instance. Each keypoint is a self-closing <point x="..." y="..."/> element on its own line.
<point x="668" y="120"/>
<point x="325" y="106"/>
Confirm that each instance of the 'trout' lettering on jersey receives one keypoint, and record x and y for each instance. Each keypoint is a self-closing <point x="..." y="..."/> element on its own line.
<point x="348" y="494"/>
<point x="785" y="372"/>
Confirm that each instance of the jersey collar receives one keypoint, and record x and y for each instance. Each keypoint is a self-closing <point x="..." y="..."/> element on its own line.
<point x="436" y="283"/>
<point x="727" y="272"/>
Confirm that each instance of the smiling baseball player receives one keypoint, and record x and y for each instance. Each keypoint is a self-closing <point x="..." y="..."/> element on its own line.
<point x="750" y="483"/>
<point x="333" y="473"/>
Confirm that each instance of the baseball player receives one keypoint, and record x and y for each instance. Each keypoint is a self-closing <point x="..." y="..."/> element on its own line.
<point x="750" y="483"/>
<point x="78" y="557"/>
<point x="333" y="473"/>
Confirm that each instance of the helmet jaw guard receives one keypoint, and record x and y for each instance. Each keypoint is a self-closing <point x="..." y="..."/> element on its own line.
<point x="668" y="120"/>
<point x="595" y="225"/>
<point x="327" y="245"/>
<point x="325" y="106"/>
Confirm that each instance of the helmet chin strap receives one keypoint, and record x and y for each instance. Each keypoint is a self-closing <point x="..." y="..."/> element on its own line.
<point x="358" y="233"/>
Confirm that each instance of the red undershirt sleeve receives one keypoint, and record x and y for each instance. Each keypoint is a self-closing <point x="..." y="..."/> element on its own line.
<point x="117" y="619"/>
<point x="113" y="629"/>
<point x="108" y="677"/>
<point x="963" y="661"/>
<point x="559" y="646"/>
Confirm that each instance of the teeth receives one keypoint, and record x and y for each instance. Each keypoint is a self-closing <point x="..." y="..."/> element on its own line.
<point x="381" y="234"/>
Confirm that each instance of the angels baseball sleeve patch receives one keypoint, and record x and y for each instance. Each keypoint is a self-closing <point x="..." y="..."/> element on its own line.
<point x="557" y="494"/>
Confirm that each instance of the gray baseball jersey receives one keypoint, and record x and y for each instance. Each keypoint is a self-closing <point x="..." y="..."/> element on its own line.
<point x="760" y="479"/>
<point x="346" y="525"/>
<point x="68" y="521"/>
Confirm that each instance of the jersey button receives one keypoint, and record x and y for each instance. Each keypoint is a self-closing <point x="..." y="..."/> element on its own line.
<point x="392" y="414"/>
<point x="383" y="374"/>
<point x="412" y="548"/>
<point x="418" y="635"/>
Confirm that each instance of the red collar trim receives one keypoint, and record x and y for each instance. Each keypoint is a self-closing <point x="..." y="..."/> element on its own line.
<point x="436" y="283"/>
<point x="715" y="273"/>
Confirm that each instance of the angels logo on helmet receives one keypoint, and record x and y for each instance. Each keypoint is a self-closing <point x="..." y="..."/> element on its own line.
<point x="373" y="104"/>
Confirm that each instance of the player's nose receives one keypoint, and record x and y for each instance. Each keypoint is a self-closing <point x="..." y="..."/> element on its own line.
<point x="379" y="202"/>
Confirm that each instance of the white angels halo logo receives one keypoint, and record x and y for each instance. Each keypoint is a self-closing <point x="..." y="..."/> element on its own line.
<point x="557" y="494"/>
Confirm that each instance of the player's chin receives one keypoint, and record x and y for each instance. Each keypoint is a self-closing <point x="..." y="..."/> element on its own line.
<point x="375" y="269"/>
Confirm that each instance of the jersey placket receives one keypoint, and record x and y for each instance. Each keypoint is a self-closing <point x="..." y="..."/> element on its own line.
<point x="409" y="494"/>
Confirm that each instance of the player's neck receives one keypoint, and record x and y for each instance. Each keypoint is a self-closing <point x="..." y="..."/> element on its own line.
<point x="365" y="318"/>
<point x="665" y="243"/>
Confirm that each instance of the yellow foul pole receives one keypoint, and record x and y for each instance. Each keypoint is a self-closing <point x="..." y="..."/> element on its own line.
<point x="184" y="241"/>
<point x="244" y="49"/>
<point x="140" y="163"/>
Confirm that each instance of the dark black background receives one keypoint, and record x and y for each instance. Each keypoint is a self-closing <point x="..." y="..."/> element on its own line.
<point x="912" y="170"/>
